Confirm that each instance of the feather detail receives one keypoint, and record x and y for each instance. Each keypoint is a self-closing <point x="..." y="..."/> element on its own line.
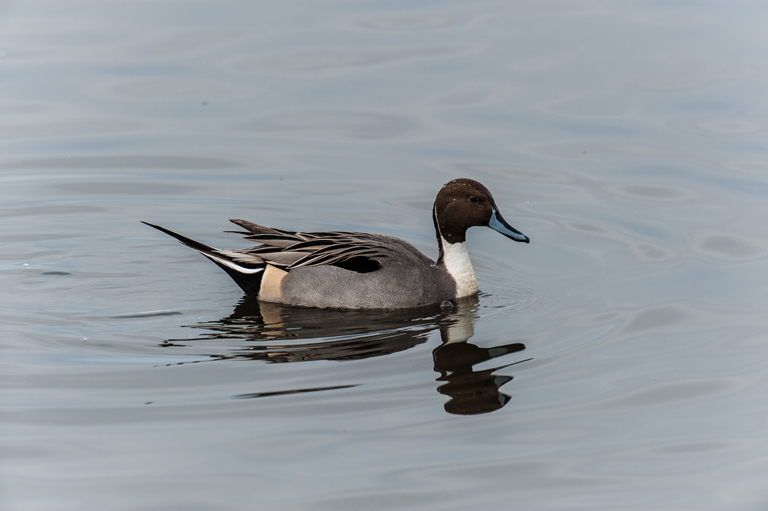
<point x="289" y="250"/>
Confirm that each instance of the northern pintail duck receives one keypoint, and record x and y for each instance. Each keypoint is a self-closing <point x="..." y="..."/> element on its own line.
<point x="353" y="270"/>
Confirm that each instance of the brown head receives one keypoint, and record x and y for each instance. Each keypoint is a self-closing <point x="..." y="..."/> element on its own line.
<point x="464" y="203"/>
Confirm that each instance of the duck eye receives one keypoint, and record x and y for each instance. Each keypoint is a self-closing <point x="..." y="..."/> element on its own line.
<point x="473" y="199"/>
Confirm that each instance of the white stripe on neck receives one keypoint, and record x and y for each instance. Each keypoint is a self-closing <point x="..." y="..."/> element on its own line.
<point x="456" y="261"/>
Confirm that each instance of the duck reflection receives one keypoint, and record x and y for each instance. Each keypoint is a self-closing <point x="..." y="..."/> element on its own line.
<point x="471" y="392"/>
<point x="298" y="334"/>
<point x="295" y="334"/>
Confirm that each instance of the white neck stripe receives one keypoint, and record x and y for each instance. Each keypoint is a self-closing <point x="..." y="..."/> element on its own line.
<point x="456" y="261"/>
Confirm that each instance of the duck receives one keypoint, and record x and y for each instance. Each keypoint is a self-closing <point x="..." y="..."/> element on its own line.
<point x="354" y="270"/>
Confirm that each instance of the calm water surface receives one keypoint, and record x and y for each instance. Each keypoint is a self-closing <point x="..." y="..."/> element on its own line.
<point x="619" y="361"/>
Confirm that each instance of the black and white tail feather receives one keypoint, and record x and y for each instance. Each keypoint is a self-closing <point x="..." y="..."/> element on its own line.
<point x="246" y="271"/>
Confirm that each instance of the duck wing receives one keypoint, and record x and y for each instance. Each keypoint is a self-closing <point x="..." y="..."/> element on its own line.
<point x="353" y="251"/>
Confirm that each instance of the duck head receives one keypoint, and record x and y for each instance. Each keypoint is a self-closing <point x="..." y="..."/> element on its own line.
<point x="464" y="203"/>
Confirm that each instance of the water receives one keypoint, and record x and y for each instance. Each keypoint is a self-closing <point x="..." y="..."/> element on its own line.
<point x="616" y="362"/>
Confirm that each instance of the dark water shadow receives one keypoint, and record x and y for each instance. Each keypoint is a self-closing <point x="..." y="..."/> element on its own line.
<point x="280" y="334"/>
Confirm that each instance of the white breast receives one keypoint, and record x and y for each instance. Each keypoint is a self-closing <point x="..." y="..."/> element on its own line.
<point x="456" y="259"/>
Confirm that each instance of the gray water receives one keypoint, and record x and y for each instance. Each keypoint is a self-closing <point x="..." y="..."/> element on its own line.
<point x="619" y="361"/>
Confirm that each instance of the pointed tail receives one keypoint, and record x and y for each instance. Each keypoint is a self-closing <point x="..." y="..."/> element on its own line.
<point x="247" y="275"/>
